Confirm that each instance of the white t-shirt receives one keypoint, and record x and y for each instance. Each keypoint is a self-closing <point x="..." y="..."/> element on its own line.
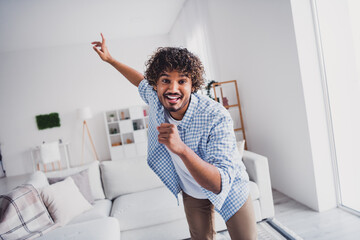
<point x="187" y="182"/>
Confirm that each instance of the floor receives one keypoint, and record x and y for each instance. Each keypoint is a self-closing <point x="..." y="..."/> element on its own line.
<point x="308" y="224"/>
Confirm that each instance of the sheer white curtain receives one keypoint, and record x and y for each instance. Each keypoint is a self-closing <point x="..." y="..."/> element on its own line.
<point x="191" y="30"/>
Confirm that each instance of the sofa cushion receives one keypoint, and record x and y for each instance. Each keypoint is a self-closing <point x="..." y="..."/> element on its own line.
<point x="178" y="229"/>
<point x="95" y="181"/>
<point x="101" y="208"/>
<point x="94" y="177"/>
<point x="147" y="208"/>
<point x="64" y="201"/>
<point x="104" y="229"/>
<point x="81" y="180"/>
<point x="127" y="176"/>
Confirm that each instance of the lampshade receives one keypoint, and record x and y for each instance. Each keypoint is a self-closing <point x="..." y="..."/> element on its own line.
<point x="84" y="113"/>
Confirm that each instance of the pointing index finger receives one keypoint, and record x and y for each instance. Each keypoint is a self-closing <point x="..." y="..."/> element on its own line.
<point x="102" y="37"/>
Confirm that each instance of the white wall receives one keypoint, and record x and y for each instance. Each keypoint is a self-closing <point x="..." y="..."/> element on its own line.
<point x="254" y="42"/>
<point x="62" y="79"/>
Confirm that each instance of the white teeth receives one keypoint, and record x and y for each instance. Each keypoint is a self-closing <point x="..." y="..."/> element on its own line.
<point x="172" y="97"/>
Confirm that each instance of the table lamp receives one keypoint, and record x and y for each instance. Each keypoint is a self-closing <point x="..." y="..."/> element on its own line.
<point x="84" y="114"/>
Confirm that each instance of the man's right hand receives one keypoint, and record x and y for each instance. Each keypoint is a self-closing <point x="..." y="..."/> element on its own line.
<point x="101" y="49"/>
<point x="129" y="73"/>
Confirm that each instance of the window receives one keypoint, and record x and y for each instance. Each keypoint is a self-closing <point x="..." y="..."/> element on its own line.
<point x="338" y="23"/>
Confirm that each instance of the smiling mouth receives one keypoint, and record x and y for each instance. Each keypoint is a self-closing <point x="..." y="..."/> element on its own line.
<point x="173" y="98"/>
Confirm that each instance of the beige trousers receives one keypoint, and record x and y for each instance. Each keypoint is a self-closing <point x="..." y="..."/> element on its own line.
<point x="200" y="216"/>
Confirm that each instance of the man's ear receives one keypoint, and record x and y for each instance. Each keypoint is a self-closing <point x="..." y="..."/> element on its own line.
<point x="155" y="88"/>
<point x="192" y="89"/>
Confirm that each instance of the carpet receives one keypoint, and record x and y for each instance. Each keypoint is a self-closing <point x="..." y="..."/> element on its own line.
<point x="267" y="230"/>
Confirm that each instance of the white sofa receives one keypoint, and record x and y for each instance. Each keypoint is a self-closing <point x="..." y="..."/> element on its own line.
<point x="138" y="206"/>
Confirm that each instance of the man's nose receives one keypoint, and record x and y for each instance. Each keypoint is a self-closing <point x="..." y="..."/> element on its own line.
<point x="173" y="87"/>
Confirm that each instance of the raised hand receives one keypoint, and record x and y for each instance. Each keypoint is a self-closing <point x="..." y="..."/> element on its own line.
<point x="101" y="49"/>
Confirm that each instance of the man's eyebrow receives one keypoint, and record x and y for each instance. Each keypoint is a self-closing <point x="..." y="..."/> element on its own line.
<point x="167" y="75"/>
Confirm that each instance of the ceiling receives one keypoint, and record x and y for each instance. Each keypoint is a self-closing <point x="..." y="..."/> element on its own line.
<point x="26" y="24"/>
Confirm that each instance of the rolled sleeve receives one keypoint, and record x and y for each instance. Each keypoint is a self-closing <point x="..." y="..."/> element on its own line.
<point x="220" y="152"/>
<point x="146" y="91"/>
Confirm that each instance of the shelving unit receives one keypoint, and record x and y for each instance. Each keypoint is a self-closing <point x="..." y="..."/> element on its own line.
<point x="229" y="98"/>
<point x="126" y="130"/>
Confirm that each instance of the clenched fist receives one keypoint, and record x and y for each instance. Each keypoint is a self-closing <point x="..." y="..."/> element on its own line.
<point x="169" y="136"/>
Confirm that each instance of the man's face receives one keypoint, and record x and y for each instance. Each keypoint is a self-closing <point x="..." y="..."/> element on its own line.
<point x="174" y="90"/>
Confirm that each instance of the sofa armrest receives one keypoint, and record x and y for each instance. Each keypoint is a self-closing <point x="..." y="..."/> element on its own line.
<point x="258" y="169"/>
<point x="38" y="180"/>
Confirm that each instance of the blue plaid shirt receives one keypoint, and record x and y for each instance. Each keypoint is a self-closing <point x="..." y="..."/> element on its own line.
<point x="206" y="128"/>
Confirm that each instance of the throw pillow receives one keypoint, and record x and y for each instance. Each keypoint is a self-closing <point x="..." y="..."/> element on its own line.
<point x="64" y="201"/>
<point x="95" y="181"/>
<point x="81" y="180"/>
<point x="94" y="177"/>
<point x="23" y="214"/>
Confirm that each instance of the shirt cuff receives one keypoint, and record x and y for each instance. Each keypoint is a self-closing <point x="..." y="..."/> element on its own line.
<point x="219" y="199"/>
<point x="143" y="88"/>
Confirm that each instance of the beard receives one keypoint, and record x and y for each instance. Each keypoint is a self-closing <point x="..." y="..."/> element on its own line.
<point x="176" y="107"/>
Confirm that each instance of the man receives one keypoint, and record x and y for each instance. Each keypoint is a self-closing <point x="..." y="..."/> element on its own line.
<point x="192" y="146"/>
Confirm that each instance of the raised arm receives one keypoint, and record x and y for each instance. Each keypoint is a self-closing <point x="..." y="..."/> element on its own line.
<point x="129" y="73"/>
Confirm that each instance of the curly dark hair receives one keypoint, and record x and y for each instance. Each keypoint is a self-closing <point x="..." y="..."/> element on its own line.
<point x="174" y="58"/>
